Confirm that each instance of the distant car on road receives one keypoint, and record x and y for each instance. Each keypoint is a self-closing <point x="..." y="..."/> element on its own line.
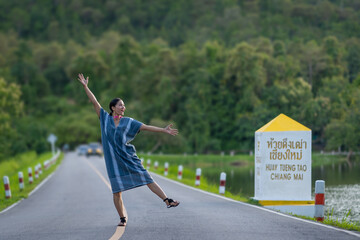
<point x="94" y="149"/>
<point x="82" y="149"/>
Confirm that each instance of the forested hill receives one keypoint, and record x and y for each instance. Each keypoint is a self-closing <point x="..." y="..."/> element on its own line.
<point x="218" y="70"/>
<point x="176" y="22"/>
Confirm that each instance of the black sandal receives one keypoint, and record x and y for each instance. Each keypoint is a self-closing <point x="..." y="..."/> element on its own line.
<point x="176" y="203"/>
<point x="122" y="222"/>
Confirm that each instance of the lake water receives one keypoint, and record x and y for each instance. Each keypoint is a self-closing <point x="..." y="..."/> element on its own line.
<point x="342" y="185"/>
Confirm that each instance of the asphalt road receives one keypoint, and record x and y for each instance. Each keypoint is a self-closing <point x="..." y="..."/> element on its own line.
<point x="76" y="203"/>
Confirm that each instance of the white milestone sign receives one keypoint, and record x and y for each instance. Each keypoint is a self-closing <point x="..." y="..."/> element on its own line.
<point x="283" y="161"/>
<point x="52" y="139"/>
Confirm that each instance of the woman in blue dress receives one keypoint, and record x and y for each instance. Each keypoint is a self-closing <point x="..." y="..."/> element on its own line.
<point x="123" y="166"/>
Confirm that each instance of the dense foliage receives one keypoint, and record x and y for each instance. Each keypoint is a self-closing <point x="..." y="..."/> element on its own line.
<point x="218" y="70"/>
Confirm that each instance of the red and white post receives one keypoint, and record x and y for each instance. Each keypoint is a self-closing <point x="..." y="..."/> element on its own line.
<point x="180" y="170"/>
<point x="156" y="165"/>
<point x="222" y="183"/>
<point x="30" y="175"/>
<point x="46" y="165"/>
<point x="7" y="187"/>
<point x="21" y="180"/>
<point x="198" y="174"/>
<point x="166" y="168"/>
<point x="319" y="200"/>
<point x="40" y="168"/>
<point x="148" y="164"/>
<point x="36" y="172"/>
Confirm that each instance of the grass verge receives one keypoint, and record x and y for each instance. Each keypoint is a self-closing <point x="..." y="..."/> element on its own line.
<point x="21" y="163"/>
<point x="340" y="223"/>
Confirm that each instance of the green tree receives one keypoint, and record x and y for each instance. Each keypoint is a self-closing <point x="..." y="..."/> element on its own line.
<point x="316" y="114"/>
<point x="342" y="132"/>
<point x="127" y="61"/>
<point x="279" y="48"/>
<point x="313" y="62"/>
<point x="20" y="19"/>
<point x="11" y="106"/>
<point x="333" y="48"/>
<point x="33" y="84"/>
<point x="245" y="76"/>
<point x="333" y="89"/>
<point x="50" y="61"/>
<point x="93" y="66"/>
<point x="353" y="57"/>
<point x="82" y="131"/>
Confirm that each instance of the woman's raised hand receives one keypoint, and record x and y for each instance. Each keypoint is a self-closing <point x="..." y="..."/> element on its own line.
<point x="171" y="131"/>
<point x="82" y="80"/>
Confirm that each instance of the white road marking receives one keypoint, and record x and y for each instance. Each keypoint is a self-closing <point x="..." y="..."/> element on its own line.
<point x="99" y="174"/>
<point x="119" y="230"/>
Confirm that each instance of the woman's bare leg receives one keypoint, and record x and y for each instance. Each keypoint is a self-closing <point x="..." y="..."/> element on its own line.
<point x="155" y="188"/>
<point x="119" y="204"/>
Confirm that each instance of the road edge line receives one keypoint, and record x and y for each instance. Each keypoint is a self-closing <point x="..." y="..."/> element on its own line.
<point x="11" y="206"/>
<point x="258" y="207"/>
<point x="42" y="183"/>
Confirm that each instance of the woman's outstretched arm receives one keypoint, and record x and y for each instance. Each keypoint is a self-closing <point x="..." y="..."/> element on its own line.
<point x="167" y="129"/>
<point x="90" y="95"/>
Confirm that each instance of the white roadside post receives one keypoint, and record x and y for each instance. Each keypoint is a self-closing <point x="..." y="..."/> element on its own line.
<point x="166" y="166"/>
<point x="30" y="175"/>
<point x="156" y="164"/>
<point x="21" y="180"/>
<point x="148" y="164"/>
<point x="222" y="183"/>
<point x="319" y="200"/>
<point x="7" y="187"/>
<point x="180" y="169"/>
<point x="198" y="174"/>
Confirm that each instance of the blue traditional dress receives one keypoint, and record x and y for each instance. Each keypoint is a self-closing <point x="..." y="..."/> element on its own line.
<point x="122" y="164"/>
